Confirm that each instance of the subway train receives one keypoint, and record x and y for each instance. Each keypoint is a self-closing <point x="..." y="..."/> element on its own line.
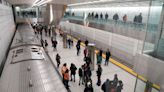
<point x="28" y="68"/>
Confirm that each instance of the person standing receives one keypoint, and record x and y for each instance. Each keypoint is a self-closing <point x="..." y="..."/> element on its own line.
<point x="99" y="72"/>
<point x="140" y="18"/>
<point x="99" y="58"/>
<point x="106" y="16"/>
<point x="115" y="81"/>
<point x="135" y="19"/>
<point x="124" y="18"/>
<point x="106" y="86"/>
<point x="58" y="59"/>
<point x="73" y="71"/>
<point x="107" y="57"/>
<point x="119" y="87"/>
<point x="86" y="42"/>
<point x="49" y="30"/>
<point x="115" y="17"/>
<point x="101" y="16"/>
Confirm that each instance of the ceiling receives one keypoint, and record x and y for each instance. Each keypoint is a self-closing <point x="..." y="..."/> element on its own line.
<point x="31" y="2"/>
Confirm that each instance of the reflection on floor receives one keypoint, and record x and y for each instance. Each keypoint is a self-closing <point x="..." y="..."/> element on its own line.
<point x="69" y="56"/>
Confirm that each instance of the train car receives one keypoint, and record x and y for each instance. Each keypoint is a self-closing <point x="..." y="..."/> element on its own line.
<point x="28" y="68"/>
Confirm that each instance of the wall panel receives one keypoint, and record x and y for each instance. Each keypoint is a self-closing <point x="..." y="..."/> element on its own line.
<point x="7" y="28"/>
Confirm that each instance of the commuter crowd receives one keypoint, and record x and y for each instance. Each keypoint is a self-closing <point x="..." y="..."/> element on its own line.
<point x="84" y="71"/>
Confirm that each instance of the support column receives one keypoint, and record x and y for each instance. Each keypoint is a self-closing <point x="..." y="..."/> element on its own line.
<point x="91" y="54"/>
<point x="64" y="40"/>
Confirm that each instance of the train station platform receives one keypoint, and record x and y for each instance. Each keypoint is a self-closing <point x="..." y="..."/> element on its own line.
<point x="69" y="56"/>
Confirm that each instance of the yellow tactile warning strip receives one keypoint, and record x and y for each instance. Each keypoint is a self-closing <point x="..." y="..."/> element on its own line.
<point x="127" y="69"/>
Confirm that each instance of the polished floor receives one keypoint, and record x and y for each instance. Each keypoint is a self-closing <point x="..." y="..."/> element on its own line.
<point x="69" y="56"/>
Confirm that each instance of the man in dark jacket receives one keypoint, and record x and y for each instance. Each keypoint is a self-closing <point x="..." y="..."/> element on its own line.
<point x="115" y="17"/>
<point x="73" y="71"/>
<point x="107" y="57"/>
<point x="140" y="18"/>
<point x="106" y="86"/>
<point x="86" y="42"/>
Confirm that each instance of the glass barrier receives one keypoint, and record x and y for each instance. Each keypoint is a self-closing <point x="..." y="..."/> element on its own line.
<point x="118" y="23"/>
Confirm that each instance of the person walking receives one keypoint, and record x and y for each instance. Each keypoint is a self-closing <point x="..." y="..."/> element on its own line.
<point x="99" y="72"/>
<point x="42" y="43"/>
<point x="80" y="72"/>
<point x="85" y="53"/>
<point x="73" y="71"/>
<point x="107" y="57"/>
<point x="66" y="79"/>
<point x="55" y="44"/>
<point x="78" y="49"/>
<point x="88" y="87"/>
<point x="88" y="75"/>
<point x="46" y="45"/>
<point x="58" y="59"/>
<point x="63" y="69"/>
<point x="69" y="43"/>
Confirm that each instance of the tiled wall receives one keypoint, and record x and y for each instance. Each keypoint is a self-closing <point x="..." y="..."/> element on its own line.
<point x="7" y="28"/>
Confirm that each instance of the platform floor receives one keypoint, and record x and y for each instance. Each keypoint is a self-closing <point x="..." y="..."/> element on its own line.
<point x="69" y="56"/>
